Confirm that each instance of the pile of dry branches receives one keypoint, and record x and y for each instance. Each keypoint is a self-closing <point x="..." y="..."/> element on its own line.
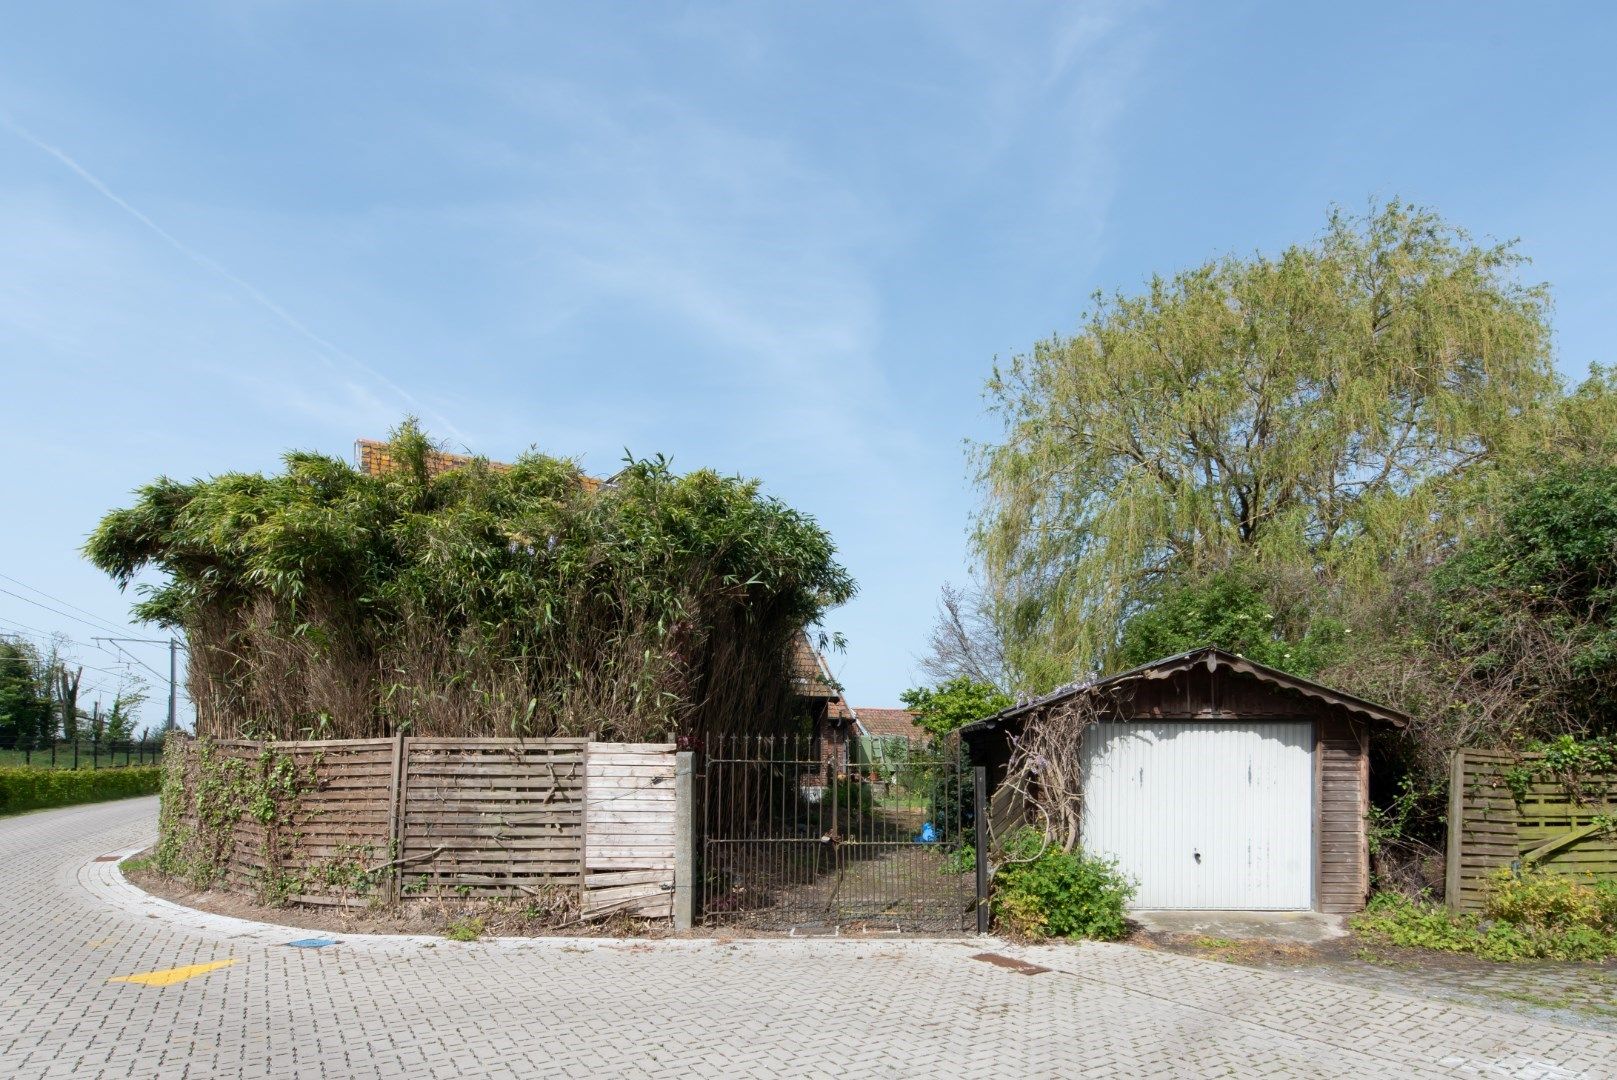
<point x="1044" y="781"/>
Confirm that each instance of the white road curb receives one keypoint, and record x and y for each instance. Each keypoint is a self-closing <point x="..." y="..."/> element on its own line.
<point x="104" y="880"/>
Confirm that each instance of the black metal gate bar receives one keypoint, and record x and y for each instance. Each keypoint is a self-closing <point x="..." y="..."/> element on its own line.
<point x="793" y="840"/>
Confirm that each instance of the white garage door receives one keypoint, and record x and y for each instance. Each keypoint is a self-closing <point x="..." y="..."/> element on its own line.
<point x="1204" y="815"/>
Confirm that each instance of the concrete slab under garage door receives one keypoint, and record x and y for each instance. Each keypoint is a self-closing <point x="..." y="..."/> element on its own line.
<point x="1204" y="815"/>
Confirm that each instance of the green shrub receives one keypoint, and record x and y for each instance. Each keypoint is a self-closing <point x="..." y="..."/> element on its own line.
<point x="1537" y="916"/>
<point x="962" y="860"/>
<point x="39" y="789"/>
<point x="1606" y="901"/>
<point x="1043" y="892"/>
<point x="1542" y="901"/>
<point x="1395" y="919"/>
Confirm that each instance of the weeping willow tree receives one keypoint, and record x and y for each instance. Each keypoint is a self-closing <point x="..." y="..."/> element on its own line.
<point x="1314" y="416"/>
<point x="483" y="601"/>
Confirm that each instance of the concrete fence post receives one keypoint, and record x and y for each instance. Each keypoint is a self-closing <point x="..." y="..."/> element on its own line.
<point x="684" y="840"/>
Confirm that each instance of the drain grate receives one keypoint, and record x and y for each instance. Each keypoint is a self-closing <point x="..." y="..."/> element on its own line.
<point x="1010" y="963"/>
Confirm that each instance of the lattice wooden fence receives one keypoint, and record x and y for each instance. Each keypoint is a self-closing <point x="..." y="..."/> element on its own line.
<point x="385" y="820"/>
<point x="1489" y="827"/>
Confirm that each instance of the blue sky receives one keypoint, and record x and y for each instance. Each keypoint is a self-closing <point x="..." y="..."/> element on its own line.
<point x="781" y="240"/>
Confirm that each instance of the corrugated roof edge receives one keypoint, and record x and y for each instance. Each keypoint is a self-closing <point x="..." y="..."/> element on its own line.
<point x="1214" y="658"/>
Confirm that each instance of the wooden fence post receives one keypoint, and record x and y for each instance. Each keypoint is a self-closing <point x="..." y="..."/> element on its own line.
<point x="395" y="818"/>
<point x="1456" y="850"/>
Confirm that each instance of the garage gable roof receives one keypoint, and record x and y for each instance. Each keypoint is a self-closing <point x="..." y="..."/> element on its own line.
<point x="1212" y="658"/>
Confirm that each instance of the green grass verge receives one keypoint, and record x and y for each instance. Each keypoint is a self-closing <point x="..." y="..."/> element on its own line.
<point x="41" y="789"/>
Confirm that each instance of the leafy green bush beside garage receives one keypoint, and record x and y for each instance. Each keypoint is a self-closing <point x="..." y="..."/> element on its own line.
<point x="1042" y="891"/>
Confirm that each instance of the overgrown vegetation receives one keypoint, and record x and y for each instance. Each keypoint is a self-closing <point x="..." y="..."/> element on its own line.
<point x="1507" y="643"/>
<point x="1317" y="416"/>
<point x="1536" y="916"/>
<point x="485" y="601"/>
<point x="206" y="790"/>
<point x="1231" y="610"/>
<point x="1041" y="891"/>
<point x="1583" y="770"/>
<point x="1352" y="461"/>
<point x="951" y="705"/>
<point x="39" y="789"/>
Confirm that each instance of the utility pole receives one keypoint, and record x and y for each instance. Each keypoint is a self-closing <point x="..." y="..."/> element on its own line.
<point x="174" y="647"/>
<point x="173" y="682"/>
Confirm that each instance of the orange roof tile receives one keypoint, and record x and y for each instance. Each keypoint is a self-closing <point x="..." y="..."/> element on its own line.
<point x="375" y="458"/>
<point x="900" y="722"/>
<point x="810" y="677"/>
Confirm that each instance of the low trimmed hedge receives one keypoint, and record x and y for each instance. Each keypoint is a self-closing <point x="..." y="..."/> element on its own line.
<point x="40" y="789"/>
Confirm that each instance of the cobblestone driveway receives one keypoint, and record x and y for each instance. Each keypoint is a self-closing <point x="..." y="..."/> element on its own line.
<point x="419" y="1008"/>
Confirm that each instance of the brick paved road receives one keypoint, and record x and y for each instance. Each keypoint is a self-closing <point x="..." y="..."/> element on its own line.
<point x="419" y="1008"/>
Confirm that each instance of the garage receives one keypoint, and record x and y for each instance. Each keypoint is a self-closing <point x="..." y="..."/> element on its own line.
<point x="1202" y="814"/>
<point x="1216" y="782"/>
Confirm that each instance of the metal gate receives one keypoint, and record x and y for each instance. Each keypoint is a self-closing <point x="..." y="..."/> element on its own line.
<point x="795" y="841"/>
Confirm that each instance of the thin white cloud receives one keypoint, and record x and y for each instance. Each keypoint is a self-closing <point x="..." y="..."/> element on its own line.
<point x="325" y="349"/>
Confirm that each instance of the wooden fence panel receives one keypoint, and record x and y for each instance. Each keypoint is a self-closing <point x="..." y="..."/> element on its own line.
<point x="629" y="837"/>
<point x="248" y="862"/>
<point x="1489" y="828"/>
<point x="458" y="818"/>
<point x="486" y="817"/>
<point x="338" y="826"/>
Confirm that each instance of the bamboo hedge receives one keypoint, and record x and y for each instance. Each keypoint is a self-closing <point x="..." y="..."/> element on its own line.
<point x="523" y="600"/>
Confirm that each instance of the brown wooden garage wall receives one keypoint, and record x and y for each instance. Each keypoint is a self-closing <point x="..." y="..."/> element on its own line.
<point x="1343" y="768"/>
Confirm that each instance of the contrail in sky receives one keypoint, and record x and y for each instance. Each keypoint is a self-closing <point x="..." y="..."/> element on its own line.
<point x="258" y="296"/>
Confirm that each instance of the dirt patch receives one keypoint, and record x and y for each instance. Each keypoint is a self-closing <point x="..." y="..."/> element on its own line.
<point x="1252" y="952"/>
<point x="495" y="918"/>
<point x="499" y="919"/>
<point x="1261" y="953"/>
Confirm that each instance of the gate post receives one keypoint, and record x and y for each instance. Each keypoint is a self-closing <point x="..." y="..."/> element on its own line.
<point x="979" y="821"/>
<point x="684" y="841"/>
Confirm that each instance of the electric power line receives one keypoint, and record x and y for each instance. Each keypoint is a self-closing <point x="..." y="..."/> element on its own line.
<point x="54" y="611"/>
<point x="131" y="656"/>
<point x="50" y="637"/>
<point x="59" y="600"/>
<point x="26" y="626"/>
<point x="76" y="663"/>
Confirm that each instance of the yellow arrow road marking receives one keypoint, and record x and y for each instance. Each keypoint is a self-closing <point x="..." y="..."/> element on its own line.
<point x="172" y="975"/>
